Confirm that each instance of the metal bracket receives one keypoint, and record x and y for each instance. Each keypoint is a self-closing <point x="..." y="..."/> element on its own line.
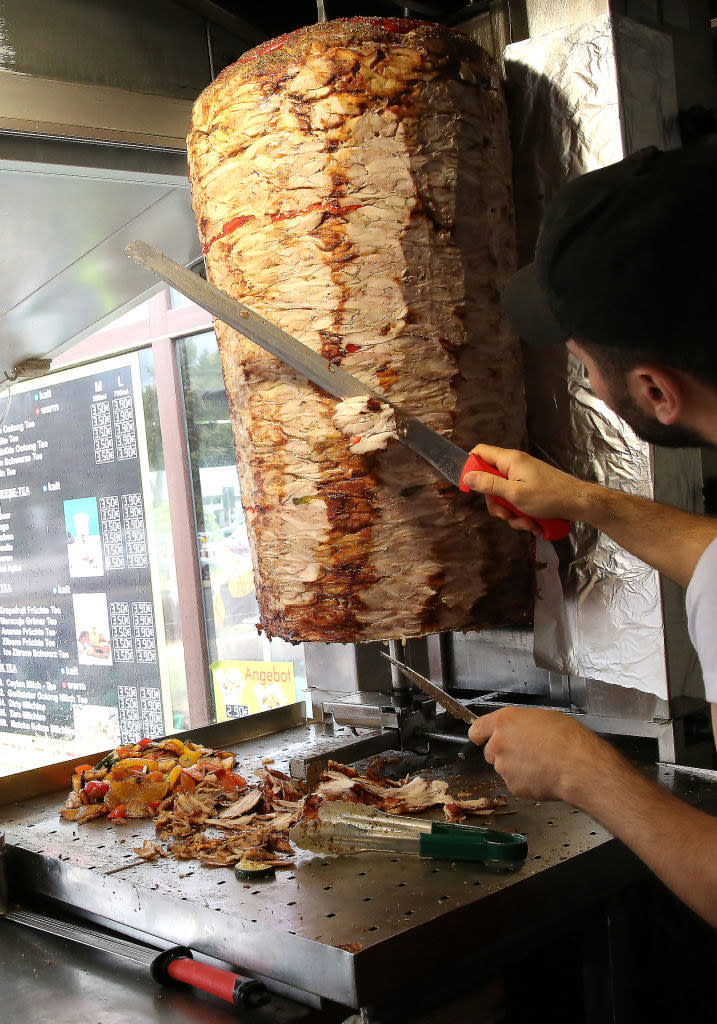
<point x="309" y="769"/>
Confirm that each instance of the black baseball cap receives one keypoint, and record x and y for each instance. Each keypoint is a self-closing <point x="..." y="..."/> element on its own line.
<point x="627" y="256"/>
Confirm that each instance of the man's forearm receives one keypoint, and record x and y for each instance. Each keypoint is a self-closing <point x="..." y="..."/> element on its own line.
<point x="546" y="755"/>
<point x="676" y="841"/>
<point x="670" y="540"/>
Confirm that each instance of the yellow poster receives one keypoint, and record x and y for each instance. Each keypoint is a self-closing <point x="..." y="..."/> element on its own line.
<point x="243" y="688"/>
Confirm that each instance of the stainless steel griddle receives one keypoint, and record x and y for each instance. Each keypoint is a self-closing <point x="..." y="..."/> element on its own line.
<point x="333" y="926"/>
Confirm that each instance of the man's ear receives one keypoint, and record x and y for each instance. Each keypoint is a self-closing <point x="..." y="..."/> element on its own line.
<point x="657" y="391"/>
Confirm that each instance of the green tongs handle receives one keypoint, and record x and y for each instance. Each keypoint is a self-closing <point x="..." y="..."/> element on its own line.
<point x="447" y="841"/>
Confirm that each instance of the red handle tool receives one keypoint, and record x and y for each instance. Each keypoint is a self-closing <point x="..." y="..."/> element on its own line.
<point x="177" y="965"/>
<point x="552" y="529"/>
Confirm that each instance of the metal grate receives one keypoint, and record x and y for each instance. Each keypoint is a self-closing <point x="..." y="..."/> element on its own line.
<point x="307" y="926"/>
<point x="335" y="900"/>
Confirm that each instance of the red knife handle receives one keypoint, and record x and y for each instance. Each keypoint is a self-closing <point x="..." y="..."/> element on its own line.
<point x="552" y="529"/>
<point x="177" y="965"/>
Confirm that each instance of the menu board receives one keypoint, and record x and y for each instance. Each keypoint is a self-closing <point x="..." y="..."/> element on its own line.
<point x="79" y="652"/>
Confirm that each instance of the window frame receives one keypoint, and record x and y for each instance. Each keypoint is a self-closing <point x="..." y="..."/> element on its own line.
<point x="159" y="331"/>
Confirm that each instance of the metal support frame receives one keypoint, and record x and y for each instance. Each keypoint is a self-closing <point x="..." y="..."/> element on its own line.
<point x="408" y="720"/>
<point x="660" y="729"/>
<point x="440" y="663"/>
<point x="309" y="769"/>
<point x="184" y="538"/>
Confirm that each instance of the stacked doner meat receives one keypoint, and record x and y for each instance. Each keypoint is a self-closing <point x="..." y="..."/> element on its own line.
<point x="203" y="809"/>
<point x="351" y="183"/>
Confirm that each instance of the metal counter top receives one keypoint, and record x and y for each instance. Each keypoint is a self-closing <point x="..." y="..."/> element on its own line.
<point x="329" y="925"/>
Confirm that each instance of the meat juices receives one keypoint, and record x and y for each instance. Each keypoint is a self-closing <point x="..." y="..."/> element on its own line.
<point x="352" y="184"/>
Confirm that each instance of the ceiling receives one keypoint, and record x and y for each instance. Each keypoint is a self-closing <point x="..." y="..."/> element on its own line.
<point x="285" y="15"/>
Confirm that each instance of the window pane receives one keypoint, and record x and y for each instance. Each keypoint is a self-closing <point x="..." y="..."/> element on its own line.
<point x="243" y="681"/>
<point x="177" y="300"/>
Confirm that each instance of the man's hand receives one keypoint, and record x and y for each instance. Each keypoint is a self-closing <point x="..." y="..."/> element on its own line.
<point x="531" y="485"/>
<point x="547" y="755"/>
<point x="542" y="755"/>
<point x="666" y="538"/>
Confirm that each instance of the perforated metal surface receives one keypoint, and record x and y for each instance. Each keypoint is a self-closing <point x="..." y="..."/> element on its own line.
<point x="313" y="926"/>
<point x="334" y="900"/>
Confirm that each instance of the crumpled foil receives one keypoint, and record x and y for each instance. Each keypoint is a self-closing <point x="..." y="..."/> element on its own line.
<point x="601" y="618"/>
<point x="582" y="98"/>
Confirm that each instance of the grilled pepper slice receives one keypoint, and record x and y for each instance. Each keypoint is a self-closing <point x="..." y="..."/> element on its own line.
<point x="96" y="789"/>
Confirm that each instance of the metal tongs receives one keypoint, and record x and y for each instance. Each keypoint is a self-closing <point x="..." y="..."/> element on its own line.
<point x="347" y="828"/>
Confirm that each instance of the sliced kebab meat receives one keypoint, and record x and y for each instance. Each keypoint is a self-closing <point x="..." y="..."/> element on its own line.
<point x="212" y="814"/>
<point x="352" y="183"/>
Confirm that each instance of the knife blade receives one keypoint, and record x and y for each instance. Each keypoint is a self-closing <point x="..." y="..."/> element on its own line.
<point x="448" y="458"/>
<point x="451" y="705"/>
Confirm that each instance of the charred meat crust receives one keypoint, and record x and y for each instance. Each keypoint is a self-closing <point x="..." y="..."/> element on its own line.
<point x="352" y="184"/>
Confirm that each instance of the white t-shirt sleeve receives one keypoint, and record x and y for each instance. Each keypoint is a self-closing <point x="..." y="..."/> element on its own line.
<point x="702" y="617"/>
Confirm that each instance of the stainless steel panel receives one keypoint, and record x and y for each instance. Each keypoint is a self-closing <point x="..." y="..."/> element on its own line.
<point x="337" y="669"/>
<point x="40" y="207"/>
<point x="331" y="672"/>
<point x="293" y="929"/>
<point x="396" y="915"/>
<point x="498" y="659"/>
<point x="598" y="698"/>
<point x="62" y="265"/>
<point x="152" y="46"/>
<point x="95" y="100"/>
<point x="45" y="107"/>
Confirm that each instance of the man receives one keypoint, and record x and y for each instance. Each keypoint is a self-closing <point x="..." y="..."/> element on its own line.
<point x="624" y="274"/>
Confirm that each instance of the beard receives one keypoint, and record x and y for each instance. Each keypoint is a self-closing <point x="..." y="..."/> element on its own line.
<point x="648" y="428"/>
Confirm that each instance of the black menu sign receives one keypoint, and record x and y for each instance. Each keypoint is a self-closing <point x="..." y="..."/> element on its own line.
<point x="78" y="636"/>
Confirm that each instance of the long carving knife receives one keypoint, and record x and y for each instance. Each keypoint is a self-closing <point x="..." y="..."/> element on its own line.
<point x="448" y="458"/>
<point x="451" y="705"/>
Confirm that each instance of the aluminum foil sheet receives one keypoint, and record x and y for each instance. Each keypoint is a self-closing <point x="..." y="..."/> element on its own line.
<point x="581" y="98"/>
<point x="648" y="93"/>
<point x="599" y="613"/>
